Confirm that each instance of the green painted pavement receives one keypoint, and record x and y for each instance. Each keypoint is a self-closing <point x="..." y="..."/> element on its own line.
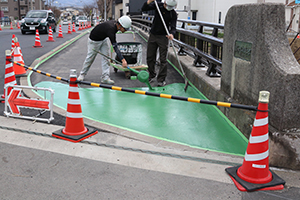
<point x="197" y="125"/>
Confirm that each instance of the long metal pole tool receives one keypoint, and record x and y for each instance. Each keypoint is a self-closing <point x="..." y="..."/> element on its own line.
<point x="172" y="44"/>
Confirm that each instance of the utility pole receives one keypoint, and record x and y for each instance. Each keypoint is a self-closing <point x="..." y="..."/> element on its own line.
<point x="105" y="10"/>
<point x="189" y="10"/>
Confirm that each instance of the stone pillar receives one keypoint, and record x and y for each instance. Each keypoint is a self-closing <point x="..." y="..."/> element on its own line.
<point x="256" y="57"/>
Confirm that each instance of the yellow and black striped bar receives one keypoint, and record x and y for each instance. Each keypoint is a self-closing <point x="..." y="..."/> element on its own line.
<point x="167" y="96"/>
<point x="40" y="72"/>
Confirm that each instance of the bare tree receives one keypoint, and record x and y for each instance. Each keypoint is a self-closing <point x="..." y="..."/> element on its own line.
<point x="100" y="4"/>
<point x="88" y="9"/>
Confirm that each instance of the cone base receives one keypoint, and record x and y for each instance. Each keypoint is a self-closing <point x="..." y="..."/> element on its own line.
<point x="2" y="98"/>
<point x="276" y="183"/>
<point x="37" y="46"/>
<point x="50" y="41"/>
<point x="21" y="75"/>
<point x="76" y="138"/>
<point x="60" y="37"/>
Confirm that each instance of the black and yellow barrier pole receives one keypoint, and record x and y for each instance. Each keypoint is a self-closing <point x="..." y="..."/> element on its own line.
<point x="167" y="96"/>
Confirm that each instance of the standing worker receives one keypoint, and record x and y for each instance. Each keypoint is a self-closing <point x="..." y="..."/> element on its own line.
<point x="98" y="41"/>
<point x="158" y="38"/>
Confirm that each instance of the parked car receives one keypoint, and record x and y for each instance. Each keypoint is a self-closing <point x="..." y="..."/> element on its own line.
<point x="80" y="19"/>
<point x="38" y="19"/>
<point x="65" y="22"/>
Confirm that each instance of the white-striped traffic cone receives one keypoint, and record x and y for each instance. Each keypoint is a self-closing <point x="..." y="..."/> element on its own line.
<point x="69" y="29"/>
<point x="18" y="57"/>
<point x="254" y="174"/>
<point x="74" y="130"/>
<point x="60" y="34"/>
<point x="50" y="35"/>
<point x="74" y="30"/>
<point x="37" y="43"/>
<point x="9" y="77"/>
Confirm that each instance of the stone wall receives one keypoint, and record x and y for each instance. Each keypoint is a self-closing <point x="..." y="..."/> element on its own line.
<point x="256" y="57"/>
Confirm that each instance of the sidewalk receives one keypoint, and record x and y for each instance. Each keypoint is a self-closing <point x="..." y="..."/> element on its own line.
<point x="115" y="164"/>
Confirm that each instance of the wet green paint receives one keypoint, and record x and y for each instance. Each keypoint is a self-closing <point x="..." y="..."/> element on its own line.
<point x="192" y="124"/>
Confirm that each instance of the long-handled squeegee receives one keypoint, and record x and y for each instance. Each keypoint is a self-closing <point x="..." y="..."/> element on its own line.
<point x="172" y="44"/>
<point x="142" y="76"/>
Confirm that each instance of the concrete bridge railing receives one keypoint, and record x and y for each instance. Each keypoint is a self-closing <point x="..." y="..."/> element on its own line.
<point x="255" y="56"/>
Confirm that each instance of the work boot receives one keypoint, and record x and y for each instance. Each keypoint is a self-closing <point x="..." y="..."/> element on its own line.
<point x="161" y="84"/>
<point x="80" y="77"/>
<point x="108" y="81"/>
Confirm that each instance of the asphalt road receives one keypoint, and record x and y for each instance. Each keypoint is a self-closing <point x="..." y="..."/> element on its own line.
<point x="26" y="42"/>
<point x="30" y="54"/>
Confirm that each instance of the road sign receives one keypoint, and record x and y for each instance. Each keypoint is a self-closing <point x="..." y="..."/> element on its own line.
<point x="15" y="102"/>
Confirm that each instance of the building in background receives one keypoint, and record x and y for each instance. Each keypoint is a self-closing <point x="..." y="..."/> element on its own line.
<point x="16" y="9"/>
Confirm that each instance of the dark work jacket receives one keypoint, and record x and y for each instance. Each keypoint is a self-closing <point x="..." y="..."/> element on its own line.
<point x="104" y="30"/>
<point x="170" y="18"/>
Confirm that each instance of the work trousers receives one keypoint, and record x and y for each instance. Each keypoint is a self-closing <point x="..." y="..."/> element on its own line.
<point x="101" y="46"/>
<point x="157" y="42"/>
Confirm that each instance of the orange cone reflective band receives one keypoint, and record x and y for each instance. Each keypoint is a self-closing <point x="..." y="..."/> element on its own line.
<point x="254" y="174"/>
<point x="74" y="130"/>
<point x="9" y="77"/>
<point x="37" y="43"/>
<point x="60" y="35"/>
<point x="50" y="35"/>
<point x="18" y="57"/>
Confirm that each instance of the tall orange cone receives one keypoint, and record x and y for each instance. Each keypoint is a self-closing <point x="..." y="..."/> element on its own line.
<point x="74" y="130"/>
<point x="79" y="27"/>
<point x="18" y="57"/>
<point x="60" y="34"/>
<point x="11" y="27"/>
<point x="9" y="77"/>
<point x="73" y="30"/>
<point x="254" y="174"/>
<point x="18" y="25"/>
<point x="69" y="29"/>
<point x="0" y="27"/>
<point x="50" y="35"/>
<point x="37" y="43"/>
<point x="13" y="44"/>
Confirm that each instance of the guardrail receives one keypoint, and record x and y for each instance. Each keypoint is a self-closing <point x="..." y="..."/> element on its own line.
<point x="195" y="38"/>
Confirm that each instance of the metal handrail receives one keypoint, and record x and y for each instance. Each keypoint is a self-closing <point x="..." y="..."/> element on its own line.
<point x="205" y="49"/>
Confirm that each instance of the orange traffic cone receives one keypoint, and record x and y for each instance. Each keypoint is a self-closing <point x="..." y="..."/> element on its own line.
<point x="254" y="174"/>
<point x="80" y="28"/>
<point x="37" y="43"/>
<point x="11" y="27"/>
<point x="18" y="25"/>
<point x="0" y="27"/>
<point x="18" y="57"/>
<point x="69" y="29"/>
<point x="9" y="78"/>
<point x="73" y="30"/>
<point x="50" y="35"/>
<point x="12" y="44"/>
<point x="74" y="130"/>
<point x="60" y="35"/>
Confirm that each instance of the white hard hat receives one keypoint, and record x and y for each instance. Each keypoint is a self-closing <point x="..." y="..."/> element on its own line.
<point x="171" y="4"/>
<point x="125" y="22"/>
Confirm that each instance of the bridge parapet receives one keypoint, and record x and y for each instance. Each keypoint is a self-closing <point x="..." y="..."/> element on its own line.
<point x="257" y="56"/>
